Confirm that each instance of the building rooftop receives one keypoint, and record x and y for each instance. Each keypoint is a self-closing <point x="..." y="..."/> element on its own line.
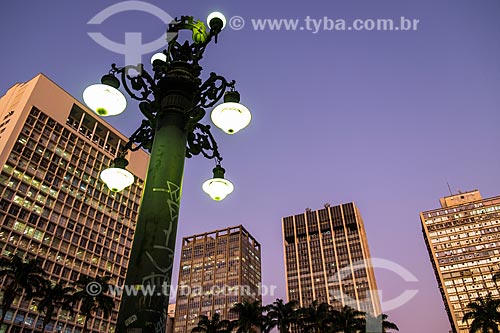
<point x="460" y="199"/>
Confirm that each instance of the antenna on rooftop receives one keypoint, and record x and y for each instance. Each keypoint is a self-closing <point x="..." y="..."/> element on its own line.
<point x="449" y="188"/>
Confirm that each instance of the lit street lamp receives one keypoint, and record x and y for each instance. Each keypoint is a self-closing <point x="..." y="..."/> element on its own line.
<point x="173" y="101"/>
<point x="218" y="188"/>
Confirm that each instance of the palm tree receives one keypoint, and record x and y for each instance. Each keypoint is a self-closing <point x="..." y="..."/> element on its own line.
<point x="281" y="315"/>
<point x="316" y="318"/>
<point x="19" y="275"/>
<point x="215" y="325"/>
<point x="250" y="317"/>
<point x="348" y="320"/>
<point x="484" y="314"/>
<point x="53" y="297"/>
<point x="379" y="324"/>
<point x="93" y="302"/>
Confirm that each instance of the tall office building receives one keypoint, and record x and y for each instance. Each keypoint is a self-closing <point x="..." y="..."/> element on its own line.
<point x="463" y="240"/>
<point x="217" y="269"/>
<point x="53" y="205"/>
<point x="327" y="259"/>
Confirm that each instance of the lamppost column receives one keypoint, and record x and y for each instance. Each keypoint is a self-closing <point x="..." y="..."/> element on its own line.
<point x="173" y="100"/>
<point x="152" y="254"/>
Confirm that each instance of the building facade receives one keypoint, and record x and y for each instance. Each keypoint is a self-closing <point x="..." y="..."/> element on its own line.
<point x="53" y="206"/>
<point x="327" y="259"/>
<point x="217" y="269"/>
<point x="463" y="241"/>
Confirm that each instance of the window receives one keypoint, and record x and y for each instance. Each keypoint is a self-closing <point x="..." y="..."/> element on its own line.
<point x="8" y="315"/>
<point x="20" y="317"/>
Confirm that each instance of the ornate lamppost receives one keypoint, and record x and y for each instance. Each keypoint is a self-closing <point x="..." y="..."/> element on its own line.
<point x="173" y="101"/>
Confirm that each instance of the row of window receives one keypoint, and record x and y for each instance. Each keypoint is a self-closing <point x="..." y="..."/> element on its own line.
<point x="65" y="140"/>
<point x="81" y="239"/>
<point x="79" y="175"/>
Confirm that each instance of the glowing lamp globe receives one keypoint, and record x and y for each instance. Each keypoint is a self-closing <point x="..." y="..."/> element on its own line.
<point x="117" y="178"/>
<point x="218" y="188"/>
<point x="104" y="98"/>
<point x="231" y="116"/>
<point x="158" y="56"/>
<point x="216" y="21"/>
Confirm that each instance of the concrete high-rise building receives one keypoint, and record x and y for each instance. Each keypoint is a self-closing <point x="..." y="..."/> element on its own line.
<point x="53" y="205"/>
<point x="327" y="259"/>
<point x="217" y="269"/>
<point x="463" y="240"/>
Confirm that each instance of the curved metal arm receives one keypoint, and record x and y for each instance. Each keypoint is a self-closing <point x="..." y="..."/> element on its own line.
<point x="212" y="90"/>
<point x="141" y="82"/>
<point x="202" y="141"/>
<point x="142" y="138"/>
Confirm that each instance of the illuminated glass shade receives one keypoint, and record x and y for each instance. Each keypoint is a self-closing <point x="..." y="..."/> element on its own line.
<point x="216" y="18"/>
<point x="104" y="99"/>
<point x="218" y="188"/>
<point x="231" y="117"/>
<point x="116" y="179"/>
<point x="159" y="56"/>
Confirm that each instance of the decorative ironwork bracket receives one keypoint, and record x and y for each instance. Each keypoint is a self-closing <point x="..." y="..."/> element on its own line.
<point x="212" y="90"/>
<point x="147" y="89"/>
<point x="136" y="79"/>
<point x="202" y="141"/>
<point x="141" y="138"/>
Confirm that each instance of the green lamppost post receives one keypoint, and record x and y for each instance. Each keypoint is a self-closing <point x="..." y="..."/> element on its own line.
<point x="173" y="101"/>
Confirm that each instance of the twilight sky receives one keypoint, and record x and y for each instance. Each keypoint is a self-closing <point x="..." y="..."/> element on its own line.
<point x="381" y="118"/>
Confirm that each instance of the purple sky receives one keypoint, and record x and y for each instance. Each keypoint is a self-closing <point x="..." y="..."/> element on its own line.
<point x="381" y="118"/>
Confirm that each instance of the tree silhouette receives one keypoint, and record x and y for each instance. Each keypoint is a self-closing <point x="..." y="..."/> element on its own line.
<point x="19" y="276"/>
<point x="250" y="318"/>
<point x="484" y="315"/>
<point x="348" y="320"/>
<point x="281" y="315"/>
<point x="53" y="297"/>
<point x="316" y="318"/>
<point x="383" y="325"/>
<point x="214" y="325"/>
<point x="92" y="302"/>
